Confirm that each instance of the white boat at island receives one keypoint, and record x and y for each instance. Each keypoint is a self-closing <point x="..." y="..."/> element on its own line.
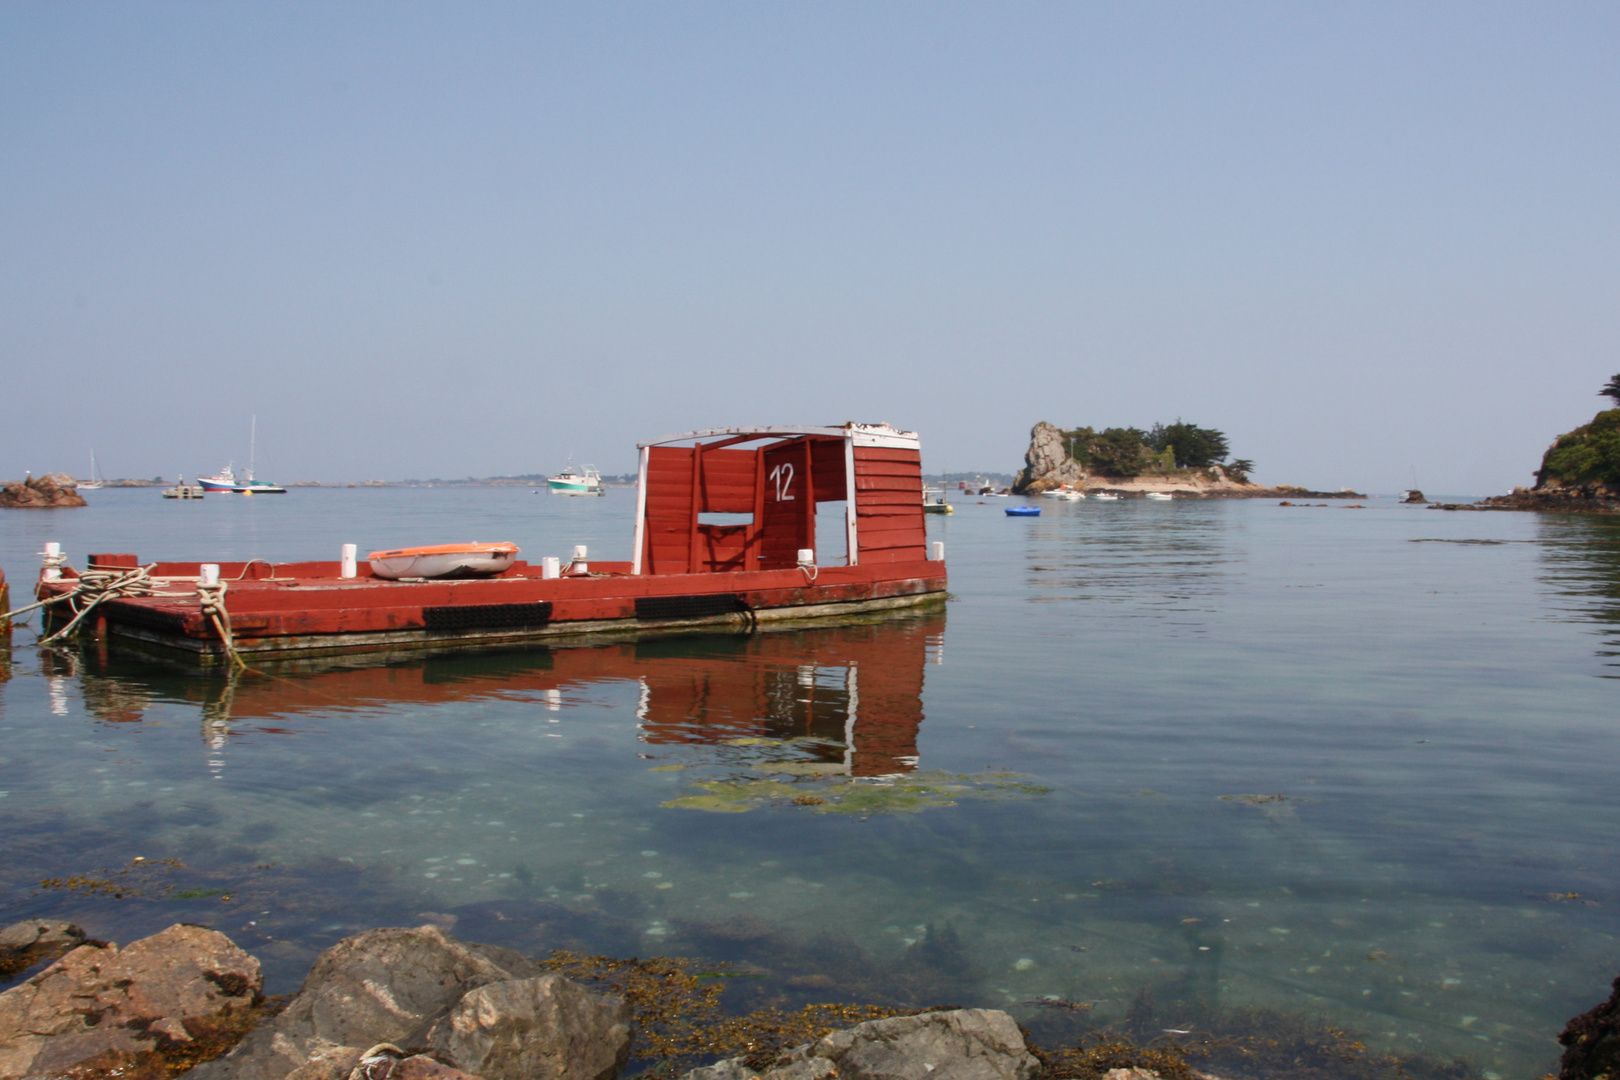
<point x="1105" y="496"/>
<point x="1162" y="496"/>
<point x="583" y="481"/>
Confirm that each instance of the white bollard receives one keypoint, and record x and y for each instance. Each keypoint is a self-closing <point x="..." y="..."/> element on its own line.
<point x="579" y="565"/>
<point x="210" y="573"/>
<point x="52" y="561"/>
<point x="807" y="557"/>
<point x="550" y="567"/>
<point x="939" y="551"/>
<point x="351" y="559"/>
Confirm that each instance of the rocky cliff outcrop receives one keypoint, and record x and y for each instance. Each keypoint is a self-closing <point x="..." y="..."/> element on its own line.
<point x="42" y="492"/>
<point x="1047" y="463"/>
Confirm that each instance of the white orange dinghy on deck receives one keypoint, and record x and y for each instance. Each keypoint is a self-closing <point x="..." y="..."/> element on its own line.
<point x="443" y="561"/>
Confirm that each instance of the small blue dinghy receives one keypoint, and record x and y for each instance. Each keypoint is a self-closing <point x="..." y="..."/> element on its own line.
<point x="1023" y="511"/>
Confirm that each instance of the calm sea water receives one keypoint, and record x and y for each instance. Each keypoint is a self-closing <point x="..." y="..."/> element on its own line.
<point x="1350" y="763"/>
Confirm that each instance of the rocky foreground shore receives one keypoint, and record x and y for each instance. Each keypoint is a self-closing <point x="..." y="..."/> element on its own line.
<point x="417" y="1004"/>
<point x="403" y="1004"/>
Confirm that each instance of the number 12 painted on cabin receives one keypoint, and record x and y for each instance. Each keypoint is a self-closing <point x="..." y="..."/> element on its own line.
<point x="782" y="477"/>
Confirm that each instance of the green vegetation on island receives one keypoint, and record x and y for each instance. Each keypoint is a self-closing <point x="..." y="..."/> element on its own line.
<point x="1164" y="448"/>
<point x="1176" y="452"/>
<point x="1587" y="459"/>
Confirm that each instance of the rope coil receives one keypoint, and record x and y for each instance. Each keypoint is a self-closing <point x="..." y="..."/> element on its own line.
<point x="211" y="598"/>
<point x="97" y="586"/>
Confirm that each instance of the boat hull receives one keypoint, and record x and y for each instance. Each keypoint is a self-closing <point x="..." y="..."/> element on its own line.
<point x="242" y="489"/>
<point x="292" y="611"/>
<point x="443" y="565"/>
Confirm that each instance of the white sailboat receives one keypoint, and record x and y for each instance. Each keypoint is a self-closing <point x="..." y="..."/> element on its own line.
<point x="96" y="482"/>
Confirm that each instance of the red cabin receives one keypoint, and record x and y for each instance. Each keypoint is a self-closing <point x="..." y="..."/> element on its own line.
<point x="759" y="489"/>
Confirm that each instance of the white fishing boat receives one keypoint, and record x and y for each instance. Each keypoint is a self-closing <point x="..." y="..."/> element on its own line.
<point x="583" y="481"/>
<point x="1105" y="496"/>
<point x="443" y="561"/>
<point x="1162" y="496"/>
<point x="226" y="479"/>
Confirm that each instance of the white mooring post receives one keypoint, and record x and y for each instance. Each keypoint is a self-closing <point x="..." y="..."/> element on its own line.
<point x="579" y="565"/>
<point x="550" y="567"/>
<point x="351" y="559"/>
<point x="210" y="573"/>
<point x="939" y="551"/>
<point x="51" y="561"/>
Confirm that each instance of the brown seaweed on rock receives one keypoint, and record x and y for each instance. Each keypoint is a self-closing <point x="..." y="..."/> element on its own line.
<point x="1592" y="1042"/>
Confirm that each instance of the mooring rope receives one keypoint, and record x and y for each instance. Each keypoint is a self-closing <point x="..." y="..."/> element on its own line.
<point x="99" y="586"/>
<point x="212" y="597"/>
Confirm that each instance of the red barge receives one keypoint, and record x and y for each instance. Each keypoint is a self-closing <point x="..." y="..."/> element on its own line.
<point x="688" y="573"/>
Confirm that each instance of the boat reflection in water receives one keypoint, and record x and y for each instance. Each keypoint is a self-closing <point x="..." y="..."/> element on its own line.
<point x="847" y="695"/>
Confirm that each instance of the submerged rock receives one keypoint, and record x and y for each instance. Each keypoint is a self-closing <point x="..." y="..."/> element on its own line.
<point x="42" y="492"/>
<point x="99" y="998"/>
<point x="24" y="944"/>
<point x="960" y="1044"/>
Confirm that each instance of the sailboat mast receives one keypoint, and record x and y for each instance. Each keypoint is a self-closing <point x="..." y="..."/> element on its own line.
<point x="253" y="440"/>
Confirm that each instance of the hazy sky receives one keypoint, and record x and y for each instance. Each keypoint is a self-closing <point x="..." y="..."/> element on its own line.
<point x="465" y="239"/>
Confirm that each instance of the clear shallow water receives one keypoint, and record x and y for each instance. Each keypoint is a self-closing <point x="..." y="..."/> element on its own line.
<point x="1430" y="693"/>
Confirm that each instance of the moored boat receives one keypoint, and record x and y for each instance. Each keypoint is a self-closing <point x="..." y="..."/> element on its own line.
<point x="582" y="481"/>
<point x="766" y="563"/>
<point x="96" y="482"/>
<point x="226" y="479"/>
<point x="183" y="490"/>
<point x="1162" y="496"/>
<point x="443" y="561"/>
<point x="1023" y="511"/>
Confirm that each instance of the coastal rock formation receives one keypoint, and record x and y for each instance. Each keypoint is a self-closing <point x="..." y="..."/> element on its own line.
<point x="42" y="492"/>
<point x="545" y="1028"/>
<point x="100" y="998"/>
<point x="24" y="944"/>
<point x="960" y="1044"/>
<point x="1592" y="1042"/>
<point x="1580" y="472"/>
<point x="1047" y="463"/>
<point x="486" y="1009"/>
